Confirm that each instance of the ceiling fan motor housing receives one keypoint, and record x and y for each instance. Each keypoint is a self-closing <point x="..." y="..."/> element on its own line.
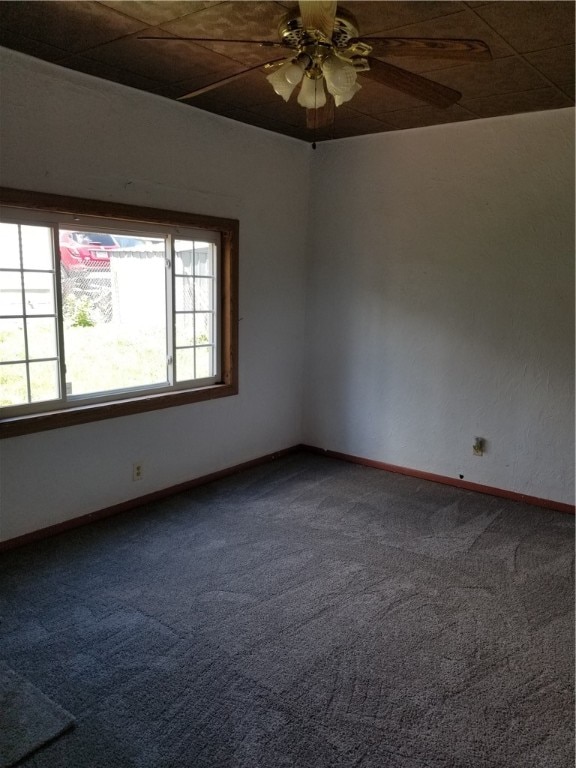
<point x="294" y="35"/>
<point x="314" y="48"/>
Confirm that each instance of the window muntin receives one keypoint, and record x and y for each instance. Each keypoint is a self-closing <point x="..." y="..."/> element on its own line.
<point x="202" y="364"/>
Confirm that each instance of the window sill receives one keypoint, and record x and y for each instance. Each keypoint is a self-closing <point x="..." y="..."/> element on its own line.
<point x="84" y="414"/>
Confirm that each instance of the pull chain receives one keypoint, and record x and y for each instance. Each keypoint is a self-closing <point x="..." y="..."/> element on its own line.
<point x="315" y="115"/>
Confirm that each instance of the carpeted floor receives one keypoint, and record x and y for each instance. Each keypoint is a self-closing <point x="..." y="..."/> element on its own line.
<point x="28" y="718"/>
<point x="307" y="613"/>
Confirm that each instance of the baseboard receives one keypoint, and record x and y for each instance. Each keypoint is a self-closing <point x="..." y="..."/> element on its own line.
<point x="126" y="506"/>
<point x="558" y="506"/>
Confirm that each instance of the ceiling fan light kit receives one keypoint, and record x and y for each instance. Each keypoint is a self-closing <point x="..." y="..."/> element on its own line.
<point x="337" y="73"/>
<point x="328" y="61"/>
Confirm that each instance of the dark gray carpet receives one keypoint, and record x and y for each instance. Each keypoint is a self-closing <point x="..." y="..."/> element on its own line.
<point x="28" y="718"/>
<point x="307" y="613"/>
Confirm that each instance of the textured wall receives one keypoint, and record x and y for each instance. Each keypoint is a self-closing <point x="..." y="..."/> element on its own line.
<point x="441" y="298"/>
<point x="67" y="133"/>
<point x="440" y="292"/>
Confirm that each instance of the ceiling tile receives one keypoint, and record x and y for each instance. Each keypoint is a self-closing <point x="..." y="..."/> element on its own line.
<point x="464" y="25"/>
<point x="166" y="61"/>
<point x="244" y="92"/>
<point x="557" y="64"/>
<point x="423" y="116"/>
<point x="117" y="75"/>
<point x="264" y="121"/>
<point x="531" y="26"/>
<point x="376" y="99"/>
<point x="71" y="26"/>
<point x="380" y="17"/>
<point x="491" y="78"/>
<point x="24" y="44"/>
<point x="247" y="54"/>
<point x="208" y="101"/>
<point x="237" y="21"/>
<point x="514" y="103"/>
<point x="153" y="13"/>
<point x="290" y="112"/>
<point x="349" y="123"/>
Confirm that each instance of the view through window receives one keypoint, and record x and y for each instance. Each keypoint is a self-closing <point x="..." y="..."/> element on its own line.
<point x="88" y="314"/>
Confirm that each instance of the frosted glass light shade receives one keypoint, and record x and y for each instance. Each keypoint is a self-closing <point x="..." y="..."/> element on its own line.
<point x="312" y="94"/>
<point x="279" y="82"/>
<point x="340" y="98"/>
<point x="294" y="72"/>
<point x="340" y="75"/>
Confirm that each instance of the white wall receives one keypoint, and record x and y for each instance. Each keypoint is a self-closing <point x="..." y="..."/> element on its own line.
<point x="441" y="296"/>
<point x="67" y="133"/>
<point x="440" y="292"/>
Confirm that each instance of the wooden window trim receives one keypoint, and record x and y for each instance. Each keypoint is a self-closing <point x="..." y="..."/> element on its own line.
<point x="83" y="414"/>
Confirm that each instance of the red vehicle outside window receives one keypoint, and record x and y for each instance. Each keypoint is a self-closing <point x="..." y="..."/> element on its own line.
<point x="82" y="250"/>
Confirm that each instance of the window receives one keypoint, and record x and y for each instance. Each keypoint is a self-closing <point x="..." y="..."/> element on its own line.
<point x="107" y="310"/>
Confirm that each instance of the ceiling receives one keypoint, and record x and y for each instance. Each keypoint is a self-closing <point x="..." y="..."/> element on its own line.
<point x="532" y="45"/>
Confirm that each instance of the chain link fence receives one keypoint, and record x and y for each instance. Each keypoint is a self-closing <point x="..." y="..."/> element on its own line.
<point x="87" y="295"/>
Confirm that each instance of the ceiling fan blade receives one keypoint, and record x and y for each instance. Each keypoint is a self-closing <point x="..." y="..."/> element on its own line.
<point x="224" y="81"/>
<point x="318" y="118"/>
<point x="415" y="85"/>
<point x="262" y="43"/>
<point x="318" y="14"/>
<point x="422" y="47"/>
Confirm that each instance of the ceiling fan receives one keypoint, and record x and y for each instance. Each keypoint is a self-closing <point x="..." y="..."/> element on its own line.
<point x="326" y="53"/>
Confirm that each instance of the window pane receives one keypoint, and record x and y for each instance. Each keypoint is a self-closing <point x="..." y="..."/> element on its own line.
<point x="37" y="247"/>
<point x="204" y="328"/>
<point x="204" y="259"/>
<point x="39" y="293"/>
<point x="184" y="298"/>
<point x="44" y="381"/>
<point x="115" y="324"/>
<point x="11" y="293"/>
<point x="13" y="389"/>
<point x="12" y="340"/>
<point x="184" y="364"/>
<point x="203" y="297"/>
<point x="185" y="330"/>
<point x="42" y="338"/>
<point x="204" y="362"/>
<point x="9" y="246"/>
<point x="184" y="258"/>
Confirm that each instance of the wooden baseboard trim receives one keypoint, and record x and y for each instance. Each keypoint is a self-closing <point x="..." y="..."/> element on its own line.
<point x="126" y="506"/>
<point x="557" y="506"/>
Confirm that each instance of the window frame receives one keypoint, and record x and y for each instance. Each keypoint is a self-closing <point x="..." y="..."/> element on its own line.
<point x="227" y="312"/>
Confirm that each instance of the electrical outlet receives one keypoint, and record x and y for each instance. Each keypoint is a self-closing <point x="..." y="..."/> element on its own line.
<point x="137" y="471"/>
<point x="479" y="446"/>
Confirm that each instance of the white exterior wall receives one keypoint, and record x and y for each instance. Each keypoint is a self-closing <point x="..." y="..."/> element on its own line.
<point x="67" y="133"/>
<point x="439" y="294"/>
<point x="441" y="301"/>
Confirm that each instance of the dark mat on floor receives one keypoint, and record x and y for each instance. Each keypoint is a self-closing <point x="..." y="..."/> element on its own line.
<point x="28" y="718"/>
<point x="307" y="613"/>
